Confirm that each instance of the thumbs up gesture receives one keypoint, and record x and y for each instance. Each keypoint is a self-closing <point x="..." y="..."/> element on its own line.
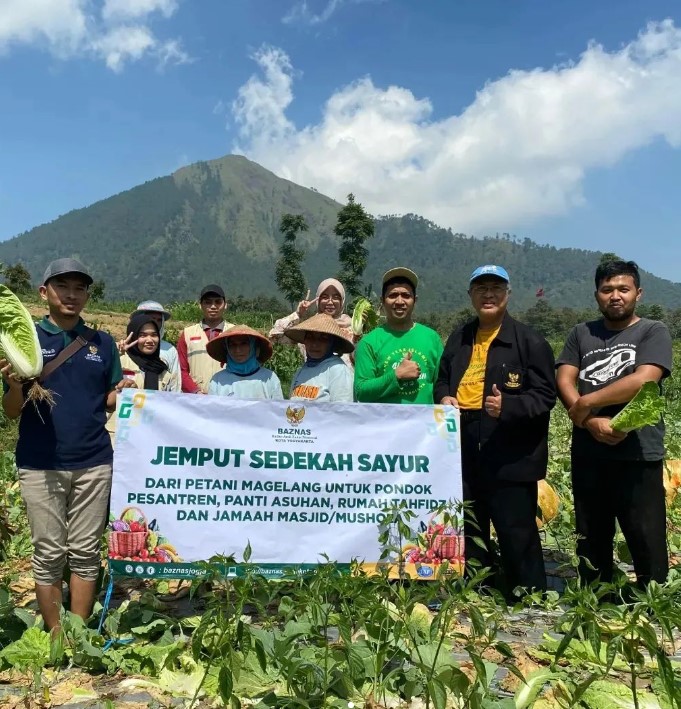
<point x="493" y="402"/>
<point x="408" y="370"/>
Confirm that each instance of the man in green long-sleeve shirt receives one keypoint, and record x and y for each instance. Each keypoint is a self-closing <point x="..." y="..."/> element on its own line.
<point x="397" y="363"/>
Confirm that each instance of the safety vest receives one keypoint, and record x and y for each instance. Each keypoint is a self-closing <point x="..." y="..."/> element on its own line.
<point x="201" y="365"/>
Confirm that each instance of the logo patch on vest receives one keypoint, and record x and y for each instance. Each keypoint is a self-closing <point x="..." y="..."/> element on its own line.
<point x="512" y="380"/>
<point x="194" y="339"/>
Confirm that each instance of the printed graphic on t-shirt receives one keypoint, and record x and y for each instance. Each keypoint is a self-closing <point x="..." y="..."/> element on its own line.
<point x="306" y="391"/>
<point x="393" y="360"/>
<point x="612" y="363"/>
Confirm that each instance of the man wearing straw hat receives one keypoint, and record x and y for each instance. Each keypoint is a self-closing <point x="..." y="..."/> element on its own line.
<point x="324" y="376"/>
<point x="397" y="363"/>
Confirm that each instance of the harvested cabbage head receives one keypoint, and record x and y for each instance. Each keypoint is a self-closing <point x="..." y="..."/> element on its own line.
<point x="18" y="338"/>
<point x="364" y="317"/>
<point x="645" y="409"/>
<point x="19" y="343"/>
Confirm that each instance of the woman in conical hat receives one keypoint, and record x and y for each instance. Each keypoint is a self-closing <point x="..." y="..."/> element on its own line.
<point x="324" y="376"/>
<point x="329" y="300"/>
<point x="243" y="350"/>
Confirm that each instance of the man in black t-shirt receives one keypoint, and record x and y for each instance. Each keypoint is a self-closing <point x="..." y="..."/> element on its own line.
<point x="616" y="476"/>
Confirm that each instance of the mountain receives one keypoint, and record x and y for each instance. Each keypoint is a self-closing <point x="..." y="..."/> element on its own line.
<point x="218" y="222"/>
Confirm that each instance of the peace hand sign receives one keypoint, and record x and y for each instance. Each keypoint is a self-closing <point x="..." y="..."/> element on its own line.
<point x="305" y="305"/>
<point x="125" y="345"/>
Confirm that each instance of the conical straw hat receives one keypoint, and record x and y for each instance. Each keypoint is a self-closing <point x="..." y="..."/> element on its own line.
<point x="216" y="348"/>
<point x="321" y="322"/>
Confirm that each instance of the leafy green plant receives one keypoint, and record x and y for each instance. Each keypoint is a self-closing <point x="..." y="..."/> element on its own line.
<point x="645" y="409"/>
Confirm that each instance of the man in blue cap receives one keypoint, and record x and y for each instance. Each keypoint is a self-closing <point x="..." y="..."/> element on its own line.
<point x="499" y="373"/>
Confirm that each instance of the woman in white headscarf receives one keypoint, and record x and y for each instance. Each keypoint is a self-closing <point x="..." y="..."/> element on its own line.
<point x="330" y="300"/>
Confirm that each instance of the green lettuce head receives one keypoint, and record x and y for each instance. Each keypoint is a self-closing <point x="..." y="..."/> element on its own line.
<point x="645" y="409"/>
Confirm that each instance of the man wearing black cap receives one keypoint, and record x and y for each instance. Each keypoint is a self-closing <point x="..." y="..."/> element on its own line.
<point x="499" y="373"/>
<point x="196" y="365"/>
<point x="64" y="453"/>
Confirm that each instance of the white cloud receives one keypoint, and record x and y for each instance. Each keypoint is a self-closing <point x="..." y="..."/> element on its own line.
<point x="133" y="9"/>
<point x="519" y="151"/>
<point x="260" y="106"/>
<point x="60" y="25"/>
<point x="301" y="13"/>
<point x="117" y="32"/>
<point x="123" y="44"/>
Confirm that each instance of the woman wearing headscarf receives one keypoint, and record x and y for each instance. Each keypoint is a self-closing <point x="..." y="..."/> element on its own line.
<point x="329" y="300"/>
<point x="243" y="350"/>
<point x="324" y="376"/>
<point x="142" y="361"/>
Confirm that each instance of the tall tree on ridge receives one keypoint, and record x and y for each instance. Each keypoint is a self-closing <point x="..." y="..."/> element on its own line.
<point x="288" y="275"/>
<point x="354" y="227"/>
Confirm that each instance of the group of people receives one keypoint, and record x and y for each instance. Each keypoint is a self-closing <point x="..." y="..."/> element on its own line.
<point x="497" y="371"/>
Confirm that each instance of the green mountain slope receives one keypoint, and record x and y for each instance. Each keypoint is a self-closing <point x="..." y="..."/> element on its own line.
<point x="218" y="221"/>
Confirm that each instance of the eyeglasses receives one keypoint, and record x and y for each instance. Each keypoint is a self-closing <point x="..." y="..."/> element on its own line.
<point x="496" y="289"/>
<point x="334" y="297"/>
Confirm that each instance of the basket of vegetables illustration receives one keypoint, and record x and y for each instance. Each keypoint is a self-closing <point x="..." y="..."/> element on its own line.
<point x="447" y="545"/>
<point x="128" y="535"/>
<point x="437" y="542"/>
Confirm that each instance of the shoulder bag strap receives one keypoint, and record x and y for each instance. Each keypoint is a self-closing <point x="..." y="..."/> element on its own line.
<point x="67" y="353"/>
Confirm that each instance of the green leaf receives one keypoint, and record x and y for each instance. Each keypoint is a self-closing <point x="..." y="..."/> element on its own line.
<point x="438" y="693"/>
<point x="30" y="652"/>
<point x="645" y="409"/>
<point x="260" y="654"/>
<point x="225" y="683"/>
<point x="356" y="664"/>
<point x="528" y="692"/>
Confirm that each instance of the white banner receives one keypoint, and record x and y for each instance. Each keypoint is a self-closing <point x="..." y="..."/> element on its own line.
<point x="197" y="476"/>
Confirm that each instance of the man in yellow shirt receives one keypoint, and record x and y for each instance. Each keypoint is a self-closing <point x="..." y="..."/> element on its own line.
<point x="500" y="374"/>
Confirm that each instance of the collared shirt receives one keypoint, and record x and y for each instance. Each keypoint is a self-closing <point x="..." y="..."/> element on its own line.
<point x="71" y="434"/>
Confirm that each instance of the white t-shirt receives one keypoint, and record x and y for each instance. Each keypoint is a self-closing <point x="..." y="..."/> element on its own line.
<point x="330" y="380"/>
<point x="263" y="384"/>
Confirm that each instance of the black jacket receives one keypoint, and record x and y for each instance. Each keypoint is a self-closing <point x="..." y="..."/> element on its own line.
<point x="520" y="362"/>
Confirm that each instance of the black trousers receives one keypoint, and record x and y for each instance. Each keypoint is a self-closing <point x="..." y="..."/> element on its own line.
<point x="631" y="492"/>
<point x="511" y="507"/>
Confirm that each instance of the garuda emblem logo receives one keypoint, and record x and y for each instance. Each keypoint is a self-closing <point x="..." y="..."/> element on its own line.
<point x="295" y="414"/>
<point x="513" y="380"/>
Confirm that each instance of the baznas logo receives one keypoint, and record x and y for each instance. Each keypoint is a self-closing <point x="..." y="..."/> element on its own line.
<point x="93" y="349"/>
<point x="295" y="414"/>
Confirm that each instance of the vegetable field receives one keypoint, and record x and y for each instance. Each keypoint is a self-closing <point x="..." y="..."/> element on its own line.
<point x="332" y="640"/>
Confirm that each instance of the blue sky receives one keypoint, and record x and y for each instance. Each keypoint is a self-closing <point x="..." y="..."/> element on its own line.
<point x="552" y="120"/>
